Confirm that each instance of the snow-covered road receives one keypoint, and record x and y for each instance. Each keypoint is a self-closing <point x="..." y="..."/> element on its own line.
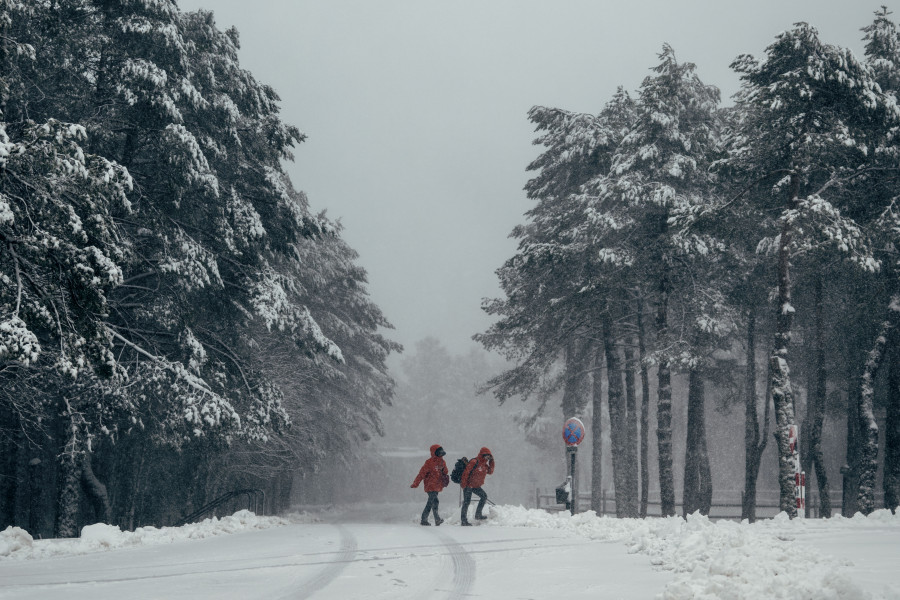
<point x="378" y="552"/>
<point x="345" y="561"/>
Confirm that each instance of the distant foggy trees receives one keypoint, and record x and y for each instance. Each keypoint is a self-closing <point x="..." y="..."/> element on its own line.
<point x="174" y="322"/>
<point x="436" y="401"/>
<point x="772" y="224"/>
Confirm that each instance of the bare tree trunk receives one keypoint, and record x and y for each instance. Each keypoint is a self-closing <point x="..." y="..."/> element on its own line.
<point x="664" y="403"/>
<point x="69" y="477"/>
<point x="850" y="469"/>
<point x="751" y="427"/>
<point x="690" y="497"/>
<point x="817" y="404"/>
<point x="134" y="516"/>
<point x="706" y="486"/>
<point x="196" y="497"/>
<point x="95" y="490"/>
<point x="806" y="427"/>
<point x="782" y="393"/>
<point x="596" y="437"/>
<point x="697" y="486"/>
<point x="631" y="432"/>
<point x="891" y="482"/>
<point x="8" y="488"/>
<point x="697" y="477"/>
<point x="22" y="491"/>
<point x="645" y="412"/>
<point x="868" y="427"/>
<point x="616" y="403"/>
<point x="35" y="495"/>
<point x="754" y="442"/>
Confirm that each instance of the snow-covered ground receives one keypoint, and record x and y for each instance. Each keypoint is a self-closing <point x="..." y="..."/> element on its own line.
<point x="18" y="544"/>
<point x="777" y="558"/>
<point x="382" y="552"/>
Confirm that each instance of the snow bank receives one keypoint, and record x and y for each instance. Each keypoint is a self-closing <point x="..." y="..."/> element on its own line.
<point x="724" y="559"/>
<point x="14" y="539"/>
<point x="18" y="543"/>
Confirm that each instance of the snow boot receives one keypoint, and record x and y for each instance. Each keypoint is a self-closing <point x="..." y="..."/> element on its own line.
<point x="424" y="523"/>
<point x="438" y="521"/>
<point x="466" y="524"/>
<point x="480" y="517"/>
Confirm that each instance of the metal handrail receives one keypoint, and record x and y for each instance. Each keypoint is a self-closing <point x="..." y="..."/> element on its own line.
<point x="722" y="501"/>
<point x="256" y="500"/>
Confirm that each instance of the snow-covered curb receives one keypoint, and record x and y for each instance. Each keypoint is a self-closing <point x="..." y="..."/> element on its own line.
<point x="17" y="543"/>
<point x="724" y="559"/>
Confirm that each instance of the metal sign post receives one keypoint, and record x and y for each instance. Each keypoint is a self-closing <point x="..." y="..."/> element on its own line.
<point x="573" y="434"/>
<point x="571" y="453"/>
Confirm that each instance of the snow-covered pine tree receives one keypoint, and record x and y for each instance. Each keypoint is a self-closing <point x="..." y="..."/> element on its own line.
<point x="891" y="473"/>
<point x="805" y="110"/>
<point x="548" y="269"/>
<point x="882" y="49"/>
<point x="659" y="170"/>
<point x="169" y="190"/>
<point x="737" y="279"/>
<point x="351" y="391"/>
<point x="607" y="284"/>
<point x="560" y="265"/>
<point x="61" y="207"/>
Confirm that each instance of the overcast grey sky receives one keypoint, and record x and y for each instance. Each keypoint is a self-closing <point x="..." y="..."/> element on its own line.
<point x="416" y="115"/>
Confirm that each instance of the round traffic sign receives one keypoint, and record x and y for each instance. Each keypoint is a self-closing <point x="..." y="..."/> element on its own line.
<point x="573" y="432"/>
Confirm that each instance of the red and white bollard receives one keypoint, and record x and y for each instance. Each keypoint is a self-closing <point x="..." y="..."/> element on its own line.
<point x="799" y="476"/>
<point x="800" y="493"/>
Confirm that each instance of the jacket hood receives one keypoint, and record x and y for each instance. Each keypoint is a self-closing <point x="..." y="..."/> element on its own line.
<point x="434" y="448"/>
<point x="484" y="450"/>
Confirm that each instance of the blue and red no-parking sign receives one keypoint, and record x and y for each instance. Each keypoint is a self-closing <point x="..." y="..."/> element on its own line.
<point x="573" y="432"/>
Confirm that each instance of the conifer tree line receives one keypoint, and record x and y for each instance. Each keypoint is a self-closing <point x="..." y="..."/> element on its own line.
<point x="751" y="248"/>
<point x="175" y="323"/>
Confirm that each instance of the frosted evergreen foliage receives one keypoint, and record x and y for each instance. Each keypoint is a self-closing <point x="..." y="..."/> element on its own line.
<point x="58" y="208"/>
<point x="815" y="97"/>
<point x="151" y="241"/>
<point x="882" y="48"/>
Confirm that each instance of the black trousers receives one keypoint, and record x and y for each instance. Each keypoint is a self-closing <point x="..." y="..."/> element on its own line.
<point x="431" y="506"/>
<point x="467" y="498"/>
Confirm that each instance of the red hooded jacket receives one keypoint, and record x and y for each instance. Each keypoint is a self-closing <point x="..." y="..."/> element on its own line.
<point x="434" y="472"/>
<point x="477" y="469"/>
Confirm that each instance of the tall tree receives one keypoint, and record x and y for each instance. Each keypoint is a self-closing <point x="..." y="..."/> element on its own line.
<point x="882" y="49"/>
<point x="151" y="244"/>
<point x="654" y="174"/>
<point x="645" y="407"/>
<point x="626" y="496"/>
<point x="891" y="477"/>
<point x="804" y="107"/>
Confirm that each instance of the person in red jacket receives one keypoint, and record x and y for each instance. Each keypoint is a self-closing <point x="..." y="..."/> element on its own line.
<point x="434" y="473"/>
<point x="471" y="481"/>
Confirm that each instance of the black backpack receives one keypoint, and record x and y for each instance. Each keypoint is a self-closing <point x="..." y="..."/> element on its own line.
<point x="458" y="468"/>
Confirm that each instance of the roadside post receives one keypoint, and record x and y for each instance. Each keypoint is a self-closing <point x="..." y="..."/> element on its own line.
<point x="573" y="435"/>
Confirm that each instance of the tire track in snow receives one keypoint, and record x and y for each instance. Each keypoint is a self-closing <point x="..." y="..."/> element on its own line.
<point x="463" y="567"/>
<point x="345" y="555"/>
<point x="4" y="585"/>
